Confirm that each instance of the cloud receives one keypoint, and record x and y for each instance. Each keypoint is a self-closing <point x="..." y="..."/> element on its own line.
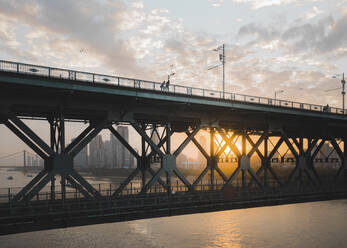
<point x="216" y="3"/>
<point x="257" y="4"/>
<point x="315" y="11"/>
<point x="262" y="33"/>
<point x="296" y="57"/>
<point x="69" y="26"/>
<point x="132" y="41"/>
<point x="326" y="36"/>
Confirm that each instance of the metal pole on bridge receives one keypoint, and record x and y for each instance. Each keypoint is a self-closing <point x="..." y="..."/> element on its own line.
<point x="343" y="82"/>
<point x="223" y="61"/>
<point x="24" y="158"/>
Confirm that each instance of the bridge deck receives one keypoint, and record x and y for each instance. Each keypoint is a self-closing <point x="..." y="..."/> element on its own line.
<point x="37" y="91"/>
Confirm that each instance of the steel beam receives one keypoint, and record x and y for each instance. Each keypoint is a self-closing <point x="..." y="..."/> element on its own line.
<point x="233" y="176"/>
<point x="182" y="178"/>
<point x="201" y="149"/>
<point x="275" y="149"/>
<point x="186" y="142"/>
<point x="255" y="147"/>
<point x="219" y="153"/>
<point x="124" y="142"/>
<point x="341" y="155"/>
<point x="36" y="189"/>
<point x="200" y="177"/>
<point x="26" y="140"/>
<point x="78" y="147"/>
<point x="290" y="146"/>
<point x="29" y="186"/>
<point x="85" y="184"/>
<point x="153" y="180"/>
<point x="230" y="143"/>
<point x="161" y="182"/>
<point x="79" y="138"/>
<point x="25" y="129"/>
<point x="147" y="139"/>
<point x="220" y="172"/>
<point x="315" y="152"/>
<point x="266" y="160"/>
<point x="78" y="187"/>
<point x="126" y="182"/>
<point x="212" y="162"/>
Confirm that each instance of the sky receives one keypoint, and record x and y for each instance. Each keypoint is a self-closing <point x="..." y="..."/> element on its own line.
<point x="271" y="45"/>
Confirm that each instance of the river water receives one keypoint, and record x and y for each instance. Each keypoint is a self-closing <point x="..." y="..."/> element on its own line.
<point x="318" y="224"/>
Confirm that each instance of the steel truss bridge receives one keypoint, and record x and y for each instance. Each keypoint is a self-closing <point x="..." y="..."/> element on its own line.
<point x="240" y="128"/>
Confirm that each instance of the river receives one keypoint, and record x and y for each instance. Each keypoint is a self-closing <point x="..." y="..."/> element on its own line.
<point x="318" y="224"/>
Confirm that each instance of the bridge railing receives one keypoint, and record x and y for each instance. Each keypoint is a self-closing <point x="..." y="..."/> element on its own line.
<point x="155" y="86"/>
<point x="234" y="193"/>
<point x="134" y="188"/>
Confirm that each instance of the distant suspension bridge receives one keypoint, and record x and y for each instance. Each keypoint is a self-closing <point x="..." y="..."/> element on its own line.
<point x="23" y="158"/>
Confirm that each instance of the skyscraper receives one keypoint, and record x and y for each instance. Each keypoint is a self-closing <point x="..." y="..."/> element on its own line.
<point x="96" y="153"/>
<point x="81" y="159"/>
<point x="108" y="156"/>
<point x="120" y="157"/>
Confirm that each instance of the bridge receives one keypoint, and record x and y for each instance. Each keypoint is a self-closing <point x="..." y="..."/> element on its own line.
<point x="240" y="127"/>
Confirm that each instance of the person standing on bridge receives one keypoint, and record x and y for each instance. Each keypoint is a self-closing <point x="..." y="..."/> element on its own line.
<point x="326" y="108"/>
<point x="162" y="86"/>
<point x="167" y="84"/>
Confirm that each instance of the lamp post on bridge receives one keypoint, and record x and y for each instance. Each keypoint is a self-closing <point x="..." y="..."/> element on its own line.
<point x="170" y="75"/>
<point x="343" y="82"/>
<point x="222" y="60"/>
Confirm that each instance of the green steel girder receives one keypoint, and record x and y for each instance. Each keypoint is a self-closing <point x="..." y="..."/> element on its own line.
<point x="57" y="160"/>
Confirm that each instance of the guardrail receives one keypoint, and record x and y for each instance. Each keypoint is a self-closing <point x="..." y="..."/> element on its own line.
<point x="51" y="72"/>
<point x="134" y="188"/>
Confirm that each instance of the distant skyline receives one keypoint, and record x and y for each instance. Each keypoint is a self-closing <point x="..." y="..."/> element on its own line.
<point x="290" y="45"/>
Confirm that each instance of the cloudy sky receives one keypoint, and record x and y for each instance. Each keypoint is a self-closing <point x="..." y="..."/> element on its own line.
<point x="290" y="45"/>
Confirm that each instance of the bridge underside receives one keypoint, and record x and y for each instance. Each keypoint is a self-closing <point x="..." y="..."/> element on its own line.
<point x="226" y="145"/>
<point x="236" y="136"/>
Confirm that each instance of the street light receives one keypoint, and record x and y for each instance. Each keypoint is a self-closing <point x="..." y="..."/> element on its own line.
<point x="278" y="92"/>
<point x="169" y="75"/>
<point x="221" y="59"/>
<point x="343" y="82"/>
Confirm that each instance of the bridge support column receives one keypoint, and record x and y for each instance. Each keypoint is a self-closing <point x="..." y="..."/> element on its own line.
<point x="144" y="163"/>
<point x="168" y="160"/>
<point x="143" y="160"/>
<point x="243" y="157"/>
<point x="304" y="161"/>
<point x="57" y="138"/>
<point x="58" y="159"/>
<point x="342" y="155"/>
<point x="212" y="162"/>
<point x="266" y="158"/>
<point x="244" y="161"/>
<point x="212" y="159"/>
<point x="345" y="159"/>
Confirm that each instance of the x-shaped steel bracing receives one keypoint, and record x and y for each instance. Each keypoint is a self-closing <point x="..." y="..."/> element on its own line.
<point x="168" y="159"/>
<point x="58" y="158"/>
